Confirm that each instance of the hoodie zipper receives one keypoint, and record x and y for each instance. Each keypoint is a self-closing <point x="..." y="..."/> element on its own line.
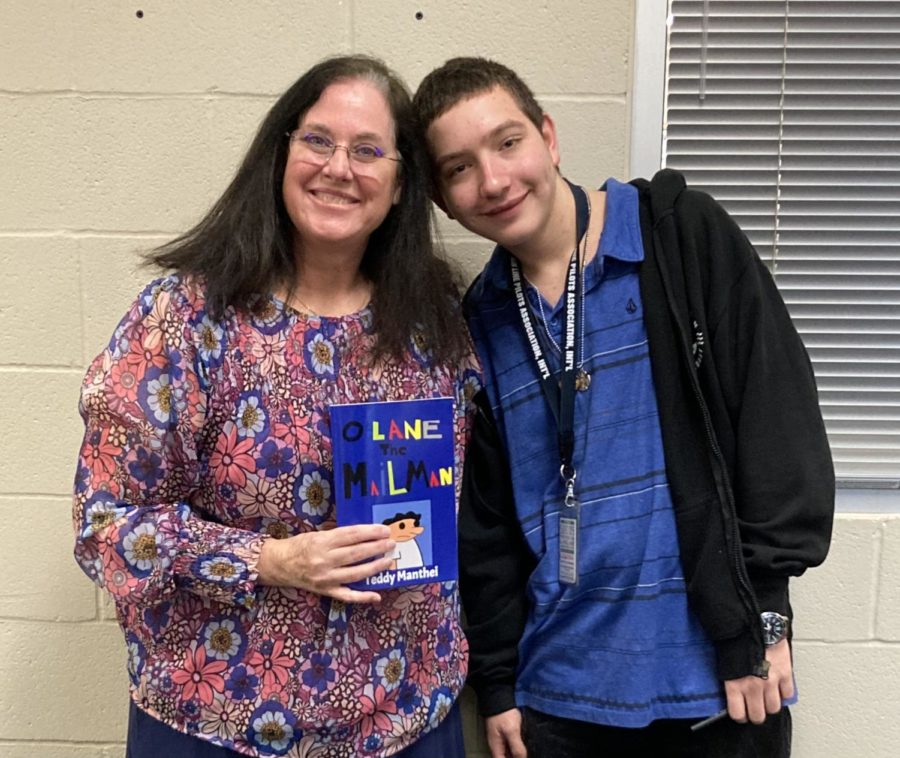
<point x="746" y="593"/>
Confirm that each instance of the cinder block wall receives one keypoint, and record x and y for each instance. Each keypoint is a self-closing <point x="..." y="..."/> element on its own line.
<point x="122" y="122"/>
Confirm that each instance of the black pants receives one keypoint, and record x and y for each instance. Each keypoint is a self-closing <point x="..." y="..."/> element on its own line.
<point x="551" y="737"/>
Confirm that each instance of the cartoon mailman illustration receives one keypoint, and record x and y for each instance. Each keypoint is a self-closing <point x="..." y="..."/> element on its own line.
<point x="405" y="527"/>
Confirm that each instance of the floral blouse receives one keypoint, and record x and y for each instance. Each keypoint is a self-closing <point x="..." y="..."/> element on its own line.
<point x="203" y="439"/>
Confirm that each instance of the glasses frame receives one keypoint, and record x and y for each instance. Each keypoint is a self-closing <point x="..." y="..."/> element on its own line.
<point x="351" y="157"/>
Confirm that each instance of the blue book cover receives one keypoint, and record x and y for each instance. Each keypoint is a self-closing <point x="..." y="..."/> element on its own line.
<point x="394" y="465"/>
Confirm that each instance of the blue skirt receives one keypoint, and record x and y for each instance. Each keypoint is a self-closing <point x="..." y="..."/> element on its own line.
<point x="149" y="738"/>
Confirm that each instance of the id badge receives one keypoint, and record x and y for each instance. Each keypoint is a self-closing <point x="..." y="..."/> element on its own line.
<point x="568" y="545"/>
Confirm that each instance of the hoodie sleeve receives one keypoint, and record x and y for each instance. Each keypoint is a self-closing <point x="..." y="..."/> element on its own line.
<point x="782" y="472"/>
<point x="495" y="563"/>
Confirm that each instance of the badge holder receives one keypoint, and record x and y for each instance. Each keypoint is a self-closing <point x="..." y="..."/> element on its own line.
<point x="568" y="532"/>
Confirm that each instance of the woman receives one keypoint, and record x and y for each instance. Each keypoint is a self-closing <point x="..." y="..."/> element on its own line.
<point x="204" y="491"/>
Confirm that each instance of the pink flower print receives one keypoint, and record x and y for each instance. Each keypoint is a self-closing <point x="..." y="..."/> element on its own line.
<point x="269" y="352"/>
<point x="100" y="454"/>
<point x="119" y="580"/>
<point x="148" y="354"/>
<point x="230" y="459"/>
<point x="422" y="665"/>
<point x="272" y="667"/>
<point x="293" y="350"/>
<point x="123" y="381"/>
<point x="375" y="707"/>
<point x="199" y="677"/>
<point x="296" y="434"/>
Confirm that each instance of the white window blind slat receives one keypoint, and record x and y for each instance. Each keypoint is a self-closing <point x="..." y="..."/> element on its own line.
<point x="795" y="127"/>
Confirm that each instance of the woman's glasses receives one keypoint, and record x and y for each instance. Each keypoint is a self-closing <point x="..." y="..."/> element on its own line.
<point x="319" y="149"/>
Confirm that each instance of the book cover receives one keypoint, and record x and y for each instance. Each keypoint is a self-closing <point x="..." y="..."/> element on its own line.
<point x="394" y="465"/>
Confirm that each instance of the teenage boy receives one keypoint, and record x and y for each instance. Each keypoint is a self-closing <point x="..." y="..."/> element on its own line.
<point x="649" y="464"/>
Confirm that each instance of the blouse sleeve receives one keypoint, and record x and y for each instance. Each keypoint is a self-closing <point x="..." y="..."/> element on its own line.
<point x="139" y="530"/>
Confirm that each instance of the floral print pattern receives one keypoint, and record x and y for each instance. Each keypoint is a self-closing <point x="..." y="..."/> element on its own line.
<point x="205" y="437"/>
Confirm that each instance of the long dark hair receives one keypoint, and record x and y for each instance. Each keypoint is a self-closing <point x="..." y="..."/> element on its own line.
<point x="243" y="247"/>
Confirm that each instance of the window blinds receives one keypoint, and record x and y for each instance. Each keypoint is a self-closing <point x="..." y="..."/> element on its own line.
<point x="789" y="114"/>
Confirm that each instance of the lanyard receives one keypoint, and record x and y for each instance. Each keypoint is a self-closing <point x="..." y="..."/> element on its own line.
<point x="560" y="395"/>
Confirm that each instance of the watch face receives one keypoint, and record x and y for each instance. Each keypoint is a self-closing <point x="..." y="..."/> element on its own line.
<point x="774" y="627"/>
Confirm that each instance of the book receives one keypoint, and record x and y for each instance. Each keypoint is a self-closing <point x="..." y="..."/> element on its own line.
<point x="394" y="464"/>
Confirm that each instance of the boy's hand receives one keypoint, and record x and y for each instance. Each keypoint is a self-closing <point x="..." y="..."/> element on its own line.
<point x="504" y="734"/>
<point x="751" y="698"/>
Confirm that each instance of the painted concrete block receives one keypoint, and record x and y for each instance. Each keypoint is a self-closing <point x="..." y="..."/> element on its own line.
<point x="165" y="45"/>
<point x="835" y="601"/>
<point x="48" y="584"/>
<point x="40" y="314"/>
<point x="76" y="672"/>
<point x="44" y="430"/>
<point x="848" y="700"/>
<point x="887" y="626"/>
<point x="554" y="47"/>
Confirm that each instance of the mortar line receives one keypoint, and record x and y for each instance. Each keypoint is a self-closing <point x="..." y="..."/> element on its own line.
<point x="876" y="578"/>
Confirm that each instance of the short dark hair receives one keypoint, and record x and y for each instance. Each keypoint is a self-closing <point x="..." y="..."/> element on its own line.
<point x="243" y="247"/>
<point x="461" y="78"/>
<point x="402" y="517"/>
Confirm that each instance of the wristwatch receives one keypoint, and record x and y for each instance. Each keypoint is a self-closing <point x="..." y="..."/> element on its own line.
<point x="774" y="627"/>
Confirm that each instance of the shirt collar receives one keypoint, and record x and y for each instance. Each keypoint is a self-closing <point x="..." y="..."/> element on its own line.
<point x="621" y="237"/>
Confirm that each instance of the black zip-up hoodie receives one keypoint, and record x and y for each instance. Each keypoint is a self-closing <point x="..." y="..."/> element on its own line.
<point x="747" y="458"/>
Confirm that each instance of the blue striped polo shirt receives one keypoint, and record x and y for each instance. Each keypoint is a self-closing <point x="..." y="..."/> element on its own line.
<point x="621" y="647"/>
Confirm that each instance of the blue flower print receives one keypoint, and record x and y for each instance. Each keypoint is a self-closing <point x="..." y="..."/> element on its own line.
<point x="338" y="614"/>
<point x="99" y="512"/>
<point x="251" y="416"/>
<point x="318" y="672"/>
<point x="269" y="318"/>
<point x="419" y="346"/>
<point x="224" y="640"/>
<point x="143" y="548"/>
<point x="242" y="684"/>
<point x="211" y="341"/>
<point x="191" y="709"/>
<point x="82" y="479"/>
<point x="221" y="569"/>
<point x="275" y="459"/>
<point x="175" y="367"/>
<point x="470" y="386"/>
<point x="323" y="424"/>
<point x="372" y="743"/>
<point x="441" y="703"/>
<point x="312" y="492"/>
<point x="389" y="669"/>
<point x="273" y="729"/>
<point x="159" y="399"/>
<point x="146" y="468"/>
<point x="157" y="617"/>
<point x="408" y="697"/>
<point x="136" y="657"/>
<point x="321" y="356"/>
<point x="444" y="640"/>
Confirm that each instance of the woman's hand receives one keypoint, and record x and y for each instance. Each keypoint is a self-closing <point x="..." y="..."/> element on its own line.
<point x="323" y="562"/>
